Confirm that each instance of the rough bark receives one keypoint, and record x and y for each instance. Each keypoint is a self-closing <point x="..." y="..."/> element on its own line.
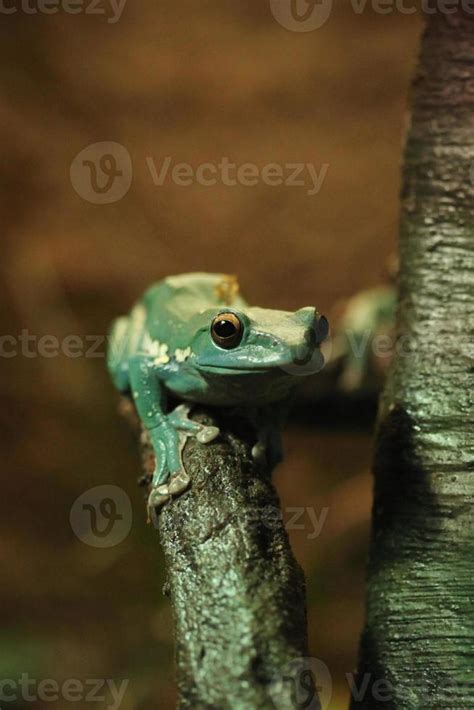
<point x="236" y="590"/>
<point x="419" y="634"/>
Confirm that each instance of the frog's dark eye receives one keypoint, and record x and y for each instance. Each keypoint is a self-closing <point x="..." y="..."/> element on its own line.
<point x="227" y="330"/>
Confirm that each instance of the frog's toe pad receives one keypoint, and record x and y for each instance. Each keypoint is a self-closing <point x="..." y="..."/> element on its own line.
<point x="181" y="411"/>
<point x="159" y="496"/>
<point x="179" y="483"/>
<point x="207" y="434"/>
<point x="156" y="500"/>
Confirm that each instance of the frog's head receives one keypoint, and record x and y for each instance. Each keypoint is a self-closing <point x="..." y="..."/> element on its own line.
<point x="232" y="341"/>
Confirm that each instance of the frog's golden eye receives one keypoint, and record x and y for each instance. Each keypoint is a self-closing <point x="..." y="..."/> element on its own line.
<point x="227" y="330"/>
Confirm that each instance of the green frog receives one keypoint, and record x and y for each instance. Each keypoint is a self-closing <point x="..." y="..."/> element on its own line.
<point x="195" y="338"/>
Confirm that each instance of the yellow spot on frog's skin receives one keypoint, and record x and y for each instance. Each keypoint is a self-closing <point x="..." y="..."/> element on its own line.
<point x="182" y="354"/>
<point x="227" y="289"/>
<point x="162" y="357"/>
<point x="159" y="351"/>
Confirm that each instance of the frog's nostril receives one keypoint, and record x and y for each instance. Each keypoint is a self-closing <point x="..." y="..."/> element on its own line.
<point x="321" y="329"/>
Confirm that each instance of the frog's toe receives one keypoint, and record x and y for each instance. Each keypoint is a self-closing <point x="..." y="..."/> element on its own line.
<point x="159" y="495"/>
<point x="179" y="418"/>
<point x="180" y="482"/>
<point x="181" y="411"/>
<point x="160" y="474"/>
<point x="207" y="434"/>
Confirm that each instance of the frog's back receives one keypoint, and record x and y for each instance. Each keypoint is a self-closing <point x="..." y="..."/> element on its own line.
<point x="170" y="303"/>
<point x="176" y="297"/>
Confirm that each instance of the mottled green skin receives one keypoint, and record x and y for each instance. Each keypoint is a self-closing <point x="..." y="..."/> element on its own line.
<point x="165" y="347"/>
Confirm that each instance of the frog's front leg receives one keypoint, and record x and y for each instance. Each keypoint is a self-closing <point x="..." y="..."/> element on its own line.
<point x="167" y="432"/>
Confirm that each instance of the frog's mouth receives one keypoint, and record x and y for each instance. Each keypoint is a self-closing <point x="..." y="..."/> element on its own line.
<point x="235" y="368"/>
<point x="232" y="370"/>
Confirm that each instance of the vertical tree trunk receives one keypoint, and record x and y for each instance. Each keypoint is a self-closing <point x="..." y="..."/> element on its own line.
<point x="419" y="635"/>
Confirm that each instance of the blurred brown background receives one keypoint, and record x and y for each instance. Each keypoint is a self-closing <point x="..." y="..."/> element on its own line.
<point x="196" y="81"/>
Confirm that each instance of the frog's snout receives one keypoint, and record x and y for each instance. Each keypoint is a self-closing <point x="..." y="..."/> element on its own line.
<point x="306" y="356"/>
<point x="321" y="329"/>
<point x="317" y="325"/>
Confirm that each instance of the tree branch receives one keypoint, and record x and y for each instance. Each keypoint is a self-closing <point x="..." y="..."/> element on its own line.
<point x="237" y="592"/>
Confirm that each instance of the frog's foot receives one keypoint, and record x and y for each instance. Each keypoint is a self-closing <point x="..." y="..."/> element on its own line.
<point x="159" y="495"/>
<point x="170" y="478"/>
<point x="179" y="418"/>
<point x="179" y="483"/>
